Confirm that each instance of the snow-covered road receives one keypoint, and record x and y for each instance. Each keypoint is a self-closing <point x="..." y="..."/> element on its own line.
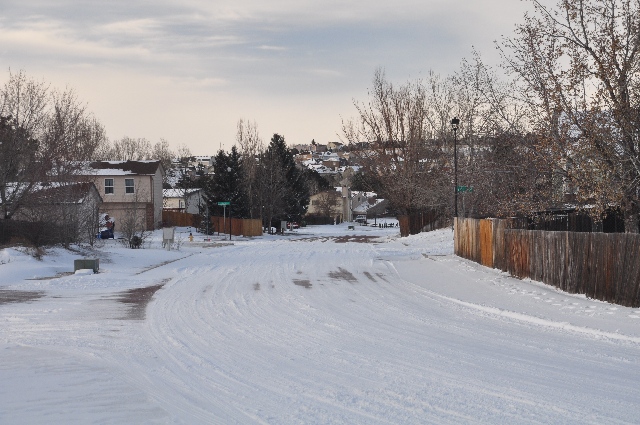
<point x="308" y="328"/>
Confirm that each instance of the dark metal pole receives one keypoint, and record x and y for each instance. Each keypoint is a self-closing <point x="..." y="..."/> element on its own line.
<point x="455" y="172"/>
<point x="455" y="122"/>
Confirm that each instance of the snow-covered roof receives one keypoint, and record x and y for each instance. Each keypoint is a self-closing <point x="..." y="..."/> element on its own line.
<point x="364" y="206"/>
<point x="178" y="193"/>
<point x="125" y="167"/>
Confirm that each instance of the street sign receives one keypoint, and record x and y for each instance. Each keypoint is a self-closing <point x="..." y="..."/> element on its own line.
<point x="462" y="189"/>
<point x="224" y="203"/>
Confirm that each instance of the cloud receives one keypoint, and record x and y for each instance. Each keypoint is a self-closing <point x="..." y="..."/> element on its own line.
<point x="236" y="59"/>
<point x="53" y="40"/>
<point x="131" y="27"/>
<point x="273" y="48"/>
<point x="325" y="73"/>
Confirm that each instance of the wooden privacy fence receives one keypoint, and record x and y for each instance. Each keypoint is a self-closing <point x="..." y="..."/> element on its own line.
<point x="603" y="266"/>
<point x="238" y="226"/>
<point x="415" y="223"/>
<point x="176" y="218"/>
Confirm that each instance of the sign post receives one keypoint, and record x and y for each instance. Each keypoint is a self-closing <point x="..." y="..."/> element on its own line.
<point x="224" y="206"/>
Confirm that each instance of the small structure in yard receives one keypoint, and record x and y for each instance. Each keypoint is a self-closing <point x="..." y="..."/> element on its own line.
<point x="86" y="263"/>
<point x="168" y="234"/>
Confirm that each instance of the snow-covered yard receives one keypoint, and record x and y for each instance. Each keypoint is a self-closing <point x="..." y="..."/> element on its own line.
<point x="323" y="325"/>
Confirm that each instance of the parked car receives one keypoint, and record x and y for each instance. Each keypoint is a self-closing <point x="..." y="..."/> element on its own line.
<point x="362" y="219"/>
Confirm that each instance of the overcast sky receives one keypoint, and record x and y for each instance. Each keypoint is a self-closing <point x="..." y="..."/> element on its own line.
<point x="188" y="70"/>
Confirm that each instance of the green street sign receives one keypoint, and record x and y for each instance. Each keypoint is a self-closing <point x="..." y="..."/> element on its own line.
<point x="224" y="203"/>
<point x="464" y="189"/>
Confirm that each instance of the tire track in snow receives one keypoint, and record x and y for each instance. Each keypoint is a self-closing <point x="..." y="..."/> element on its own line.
<point x="242" y="314"/>
<point x="357" y="352"/>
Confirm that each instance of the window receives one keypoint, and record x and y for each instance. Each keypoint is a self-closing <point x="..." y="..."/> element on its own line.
<point x="108" y="186"/>
<point x="128" y="186"/>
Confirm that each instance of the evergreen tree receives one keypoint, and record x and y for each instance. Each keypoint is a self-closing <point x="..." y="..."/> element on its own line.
<point x="238" y="195"/>
<point x="296" y="192"/>
<point x="226" y="185"/>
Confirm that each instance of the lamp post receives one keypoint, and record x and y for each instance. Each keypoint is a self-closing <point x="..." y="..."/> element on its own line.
<point x="455" y="123"/>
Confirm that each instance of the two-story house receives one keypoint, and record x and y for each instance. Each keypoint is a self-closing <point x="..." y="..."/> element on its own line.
<point x="128" y="187"/>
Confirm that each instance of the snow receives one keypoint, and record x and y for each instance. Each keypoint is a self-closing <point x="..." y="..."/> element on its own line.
<point x="321" y="325"/>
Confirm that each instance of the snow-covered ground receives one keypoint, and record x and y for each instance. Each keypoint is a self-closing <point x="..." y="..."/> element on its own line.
<point x="323" y="325"/>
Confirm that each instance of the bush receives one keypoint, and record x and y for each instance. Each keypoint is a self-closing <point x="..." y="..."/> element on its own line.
<point x="37" y="234"/>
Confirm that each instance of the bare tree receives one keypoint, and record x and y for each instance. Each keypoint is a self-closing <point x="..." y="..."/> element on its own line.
<point x="272" y="184"/>
<point x="251" y="147"/>
<point x="328" y="203"/>
<point x="579" y="69"/>
<point x="23" y="112"/>
<point x="71" y="136"/>
<point x="133" y="224"/>
<point x="26" y="101"/>
<point x="130" y="149"/>
<point x="45" y="133"/>
<point x="162" y="152"/>
<point x="89" y="221"/>
<point x="404" y="127"/>
<point x="500" y="170"/>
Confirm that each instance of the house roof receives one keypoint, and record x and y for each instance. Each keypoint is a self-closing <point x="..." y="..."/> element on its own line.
<point x="129" y="167"/>
<point x="178" y="193"/>
<point x="56" y="193"/>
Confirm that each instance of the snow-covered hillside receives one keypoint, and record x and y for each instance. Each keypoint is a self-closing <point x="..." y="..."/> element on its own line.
<point x="323" y="325"/>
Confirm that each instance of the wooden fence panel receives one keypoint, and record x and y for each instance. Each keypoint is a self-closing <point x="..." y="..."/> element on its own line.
<point x="486" y="243"/>
<point x="589" y="276"/>
<point x="549" y="262"/>
<point x="467" y="239"/>
<point x="633" y="298"/>
<point x="517" y="251"/>
<point x="499" y="256"/>
<point x="558" y="271"/>
<point x="584" y="259"/>
<point x="252" y="227"/>
<point x="620" y="271"/>
<point x="537" y="248"/>
<point x="629" y="294"/>
<point x="610" y="265"/>
<point x="403" y="221"/>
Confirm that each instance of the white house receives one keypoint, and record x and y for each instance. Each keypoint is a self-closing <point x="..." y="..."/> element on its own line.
<point x="183" y="200"/>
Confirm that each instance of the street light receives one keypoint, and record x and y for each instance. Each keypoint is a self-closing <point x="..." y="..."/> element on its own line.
<point x="455" y="123"/>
